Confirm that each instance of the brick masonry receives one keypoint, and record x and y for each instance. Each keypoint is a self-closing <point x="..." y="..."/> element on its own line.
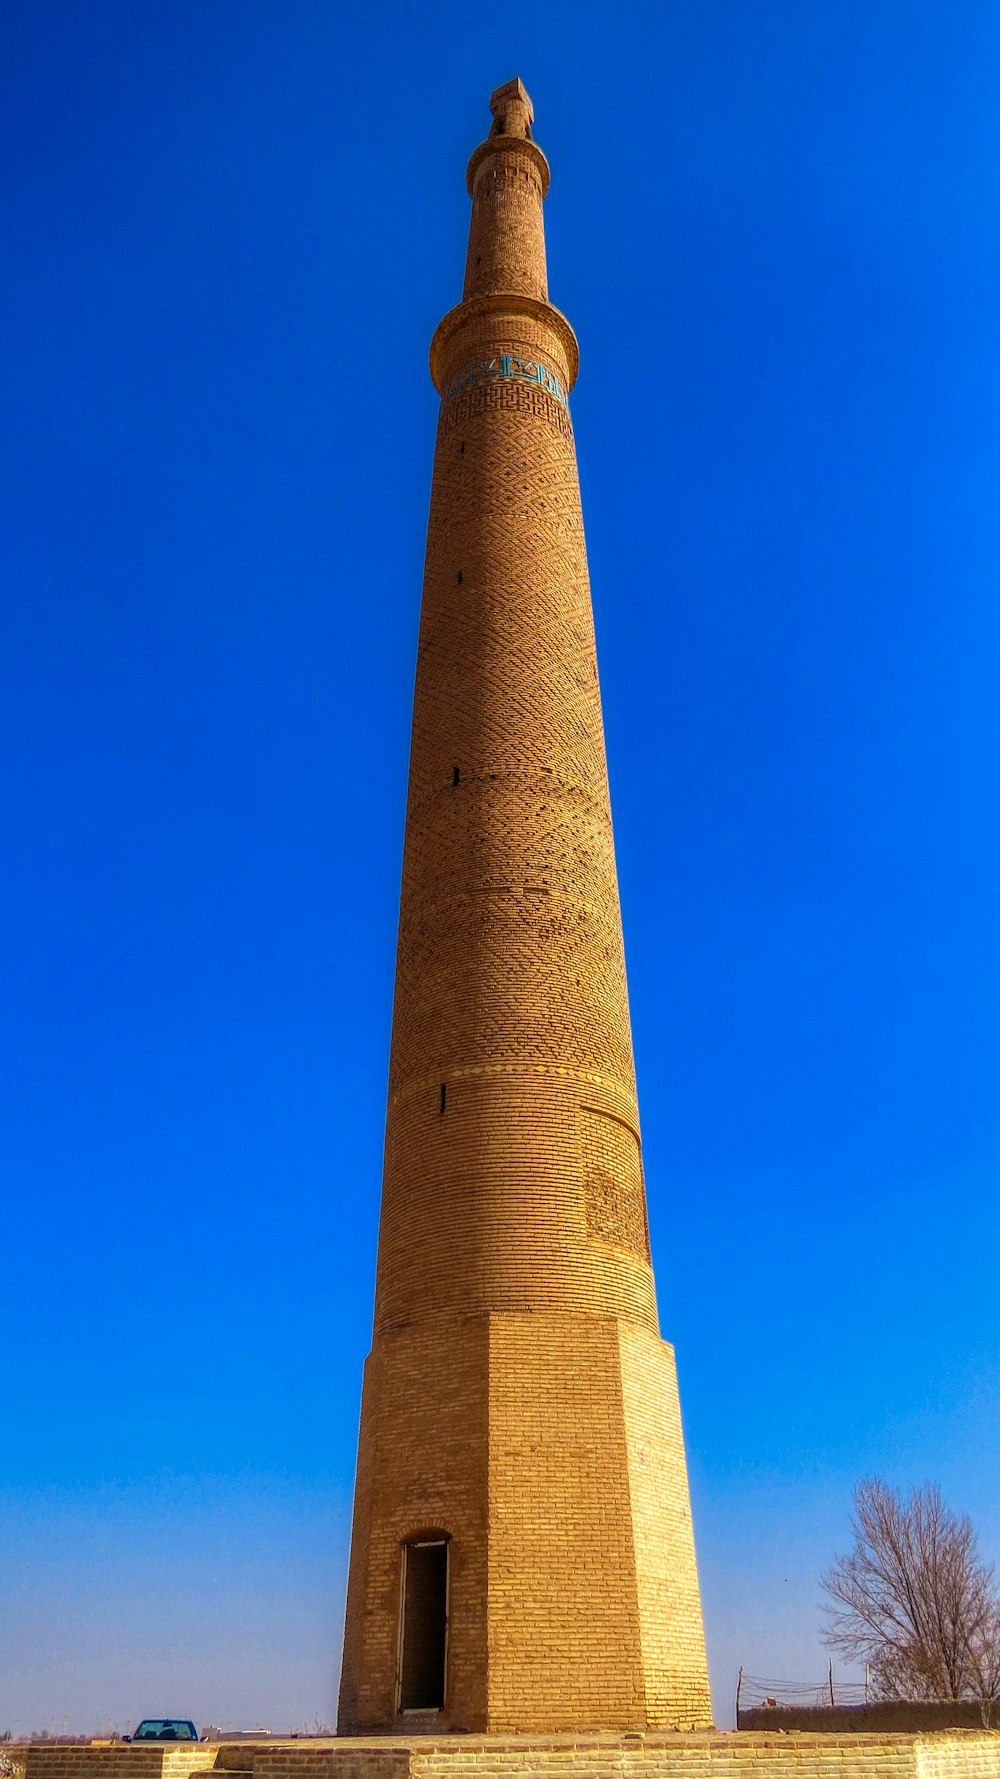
<point x="952" y="1754"/>
<point x="518" y="1399"/>
<point x="54" y="1760"/>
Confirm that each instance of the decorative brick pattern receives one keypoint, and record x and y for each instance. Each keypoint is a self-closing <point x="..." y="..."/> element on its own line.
<point x="612" y="1175"/>
<point x="508" y="177"/>
<point x="463" y="408"/>
<point x="516" y="1337"/>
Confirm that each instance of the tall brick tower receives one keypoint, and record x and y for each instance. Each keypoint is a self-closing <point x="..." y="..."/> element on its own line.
<point x="522" y="1555"/>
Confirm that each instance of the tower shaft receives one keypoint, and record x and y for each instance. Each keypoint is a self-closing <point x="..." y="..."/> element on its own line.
<point x="522" y="1554"/>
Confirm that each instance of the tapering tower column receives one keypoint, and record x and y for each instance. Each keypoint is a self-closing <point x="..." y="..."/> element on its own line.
<point x="522" y="1555"/>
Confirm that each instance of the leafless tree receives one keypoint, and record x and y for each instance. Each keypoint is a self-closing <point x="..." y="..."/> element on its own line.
<point x="984" y="1665"/>
<point x="914" y="1600"/>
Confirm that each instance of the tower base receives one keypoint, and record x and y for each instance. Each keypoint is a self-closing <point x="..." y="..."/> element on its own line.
<point x="547" y="1450"/>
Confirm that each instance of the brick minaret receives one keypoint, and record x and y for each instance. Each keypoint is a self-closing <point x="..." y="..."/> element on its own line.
<point x="522" y="1554"/>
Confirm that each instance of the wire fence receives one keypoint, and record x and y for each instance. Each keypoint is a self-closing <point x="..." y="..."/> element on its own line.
<point x="755" y="1692"/>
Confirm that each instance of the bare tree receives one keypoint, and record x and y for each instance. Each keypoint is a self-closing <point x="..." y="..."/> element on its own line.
<point x="914" y="1600"/>
<point x="984" y="1665"/>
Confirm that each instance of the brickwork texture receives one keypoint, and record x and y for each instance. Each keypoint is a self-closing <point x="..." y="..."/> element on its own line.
<point x="955" y="1754"/>
<point x="518" y="1401"/>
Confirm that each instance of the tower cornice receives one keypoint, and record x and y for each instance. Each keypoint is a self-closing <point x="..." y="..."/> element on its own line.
<point x="522" y="146"/>
<point x="501" y="303"/>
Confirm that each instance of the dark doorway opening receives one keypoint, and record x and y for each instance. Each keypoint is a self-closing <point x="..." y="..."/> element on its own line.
<point x="424" y="1625"/>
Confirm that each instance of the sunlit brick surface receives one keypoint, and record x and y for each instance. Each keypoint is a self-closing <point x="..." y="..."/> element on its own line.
<point x="518" y="1397"/>
<point x="954" y="1754"/>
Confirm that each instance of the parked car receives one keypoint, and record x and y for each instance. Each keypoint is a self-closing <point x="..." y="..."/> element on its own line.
<point x="164" y="1729"/>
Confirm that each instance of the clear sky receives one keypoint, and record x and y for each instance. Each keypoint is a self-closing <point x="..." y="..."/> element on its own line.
<point x="230" y="228"/>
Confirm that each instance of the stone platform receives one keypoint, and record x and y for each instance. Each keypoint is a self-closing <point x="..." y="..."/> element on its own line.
<point x="739" y="1754"/>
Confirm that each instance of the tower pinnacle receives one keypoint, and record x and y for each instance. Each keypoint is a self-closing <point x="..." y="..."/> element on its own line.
<point x="512" y="111"/>
<point x="507" y="177"/>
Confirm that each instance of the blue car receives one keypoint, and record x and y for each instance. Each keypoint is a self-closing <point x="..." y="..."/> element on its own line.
<point x="165" y="1729"/>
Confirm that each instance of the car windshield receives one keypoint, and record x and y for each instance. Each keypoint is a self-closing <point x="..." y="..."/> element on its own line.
<point x="166" y="1729"/>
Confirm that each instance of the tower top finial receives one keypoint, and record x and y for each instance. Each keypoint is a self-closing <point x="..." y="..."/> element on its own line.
<point x="512" y="110"/>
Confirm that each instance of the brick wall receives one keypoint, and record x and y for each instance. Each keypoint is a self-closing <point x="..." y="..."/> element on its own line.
<point x="672" y="1640"/>
<point x="956" y="1754"/>
<point x="423" y="1468"/>
<point x="563" y="1605"/>
<point x="727" y="1757"/>
<point x="889" y="1714"/>
<point x="122" y="1760"/>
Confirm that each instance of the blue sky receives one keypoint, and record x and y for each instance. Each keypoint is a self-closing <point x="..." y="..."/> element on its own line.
<point x="231" y="229"/>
